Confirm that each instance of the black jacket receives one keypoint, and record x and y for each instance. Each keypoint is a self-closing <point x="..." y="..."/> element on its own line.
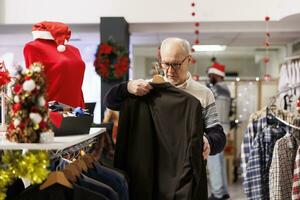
<point x="215" y="134"/>
<point x="160" y="145"/>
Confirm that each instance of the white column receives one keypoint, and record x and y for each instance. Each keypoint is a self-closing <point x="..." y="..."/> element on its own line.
<point x="2" y="11"/>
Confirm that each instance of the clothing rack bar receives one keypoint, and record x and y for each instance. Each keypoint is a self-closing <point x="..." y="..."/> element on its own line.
<point x="273" y="99"/>
<point x="282" y="121"/>
<point x="292" y="87"/>
<point x="292" y="58"/>
<point x="73" y="149"/>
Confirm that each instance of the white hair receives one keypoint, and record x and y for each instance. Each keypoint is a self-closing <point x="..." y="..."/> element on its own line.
<point x="184" y="44"/>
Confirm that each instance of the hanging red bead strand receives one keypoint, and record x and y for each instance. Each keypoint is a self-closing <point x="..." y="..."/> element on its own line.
<point x="267" y="46"/>
<point x="195" y="28"/>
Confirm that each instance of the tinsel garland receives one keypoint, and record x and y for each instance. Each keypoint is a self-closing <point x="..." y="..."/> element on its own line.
<point x="31" y="165"/>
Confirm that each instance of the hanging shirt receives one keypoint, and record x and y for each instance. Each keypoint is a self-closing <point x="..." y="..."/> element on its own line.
<point x="111" y="178"/>
<point x="64" y="70"/>
<point x="281" y="171"/>
<point x="296" y="177"/>
<point x="257" y="148"/>
<point x="97" y="186"/>
<point x="160" y="145"/>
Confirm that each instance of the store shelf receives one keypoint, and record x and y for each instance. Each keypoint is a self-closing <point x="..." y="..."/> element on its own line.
<point x="59" y="143"/>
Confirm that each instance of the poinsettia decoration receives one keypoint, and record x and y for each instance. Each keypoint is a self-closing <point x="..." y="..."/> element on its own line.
<point x="4" y="75"/>
<point x="111" y="61"/>
<point x="28" y="110"/>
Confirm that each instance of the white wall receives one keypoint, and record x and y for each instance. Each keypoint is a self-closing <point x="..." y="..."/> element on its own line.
<point x="139" y="67"/>
<point x="140" y="11"/>
<point x="2" y="9"/>
<point x="244" y="66"/>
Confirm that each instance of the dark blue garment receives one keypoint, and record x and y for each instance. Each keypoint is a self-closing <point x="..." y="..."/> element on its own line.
<point x="80" y="193"/>
<point x="59" y="192"/>
<point x="110" y="177"/>
<point x="97" y="186"/>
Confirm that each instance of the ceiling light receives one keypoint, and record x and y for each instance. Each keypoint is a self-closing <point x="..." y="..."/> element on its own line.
<point x="209" y="47"/>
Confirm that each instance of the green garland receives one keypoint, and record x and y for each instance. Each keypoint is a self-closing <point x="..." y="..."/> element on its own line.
<point x="31" y="165"/>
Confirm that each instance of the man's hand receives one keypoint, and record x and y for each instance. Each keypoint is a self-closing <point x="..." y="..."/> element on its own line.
<point x="206" y="148"/>
<point x="139" y="87"/>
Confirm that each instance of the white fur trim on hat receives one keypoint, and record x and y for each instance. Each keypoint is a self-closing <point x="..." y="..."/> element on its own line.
<point x="42" y="35"/>
<point x="212" y="70"/>
<point x="47" y="36"/>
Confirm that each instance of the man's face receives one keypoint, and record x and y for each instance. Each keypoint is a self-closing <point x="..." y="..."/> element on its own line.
<point x="213" y="78"/>
<point x="175" y="64"/>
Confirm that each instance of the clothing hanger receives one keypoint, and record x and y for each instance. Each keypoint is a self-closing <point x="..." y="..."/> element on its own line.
<point x="74" y="169"/>
<point x="284" y="118"/>
<point x="81" y="165"/>
<point x="157" y="78"/>
<point x="56" y="177"/>
<point x="71" y="172"/>
<point x="89" y="160"/>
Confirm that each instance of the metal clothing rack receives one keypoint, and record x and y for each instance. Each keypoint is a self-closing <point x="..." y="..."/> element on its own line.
<point x="273" y="100"/>
<point x="88" y="143"/>
<point x="291" y="87"/>
<point x="292" y="58"/>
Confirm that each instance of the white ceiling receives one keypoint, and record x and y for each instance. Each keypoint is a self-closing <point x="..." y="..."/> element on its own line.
<point x="242" y="38"/>
<point x="246" y="35"/>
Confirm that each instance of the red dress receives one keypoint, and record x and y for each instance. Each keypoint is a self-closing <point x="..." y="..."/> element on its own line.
<point x="64" y="70"/>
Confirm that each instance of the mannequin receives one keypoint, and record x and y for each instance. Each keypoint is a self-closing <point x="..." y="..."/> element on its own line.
<point x="64" y="67"/>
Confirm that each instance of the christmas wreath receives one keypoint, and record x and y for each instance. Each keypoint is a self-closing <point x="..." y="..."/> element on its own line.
<point x="111" y="61"/>
<point x="28" y="111"/>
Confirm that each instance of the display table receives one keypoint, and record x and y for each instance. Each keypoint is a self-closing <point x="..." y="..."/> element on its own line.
<point x="59" y="143"/>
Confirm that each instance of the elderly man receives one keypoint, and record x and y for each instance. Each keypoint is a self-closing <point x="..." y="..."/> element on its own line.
<point x="179" y="175"/>
<point x="175" y="61"/>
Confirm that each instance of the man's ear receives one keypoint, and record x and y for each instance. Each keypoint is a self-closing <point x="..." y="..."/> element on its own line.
<point x="190" y="59"/>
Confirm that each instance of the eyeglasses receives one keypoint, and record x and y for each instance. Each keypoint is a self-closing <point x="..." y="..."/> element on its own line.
<point x="175" y="66"/>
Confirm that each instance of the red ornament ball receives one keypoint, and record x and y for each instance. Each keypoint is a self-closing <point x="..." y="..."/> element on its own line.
<point x="197" y="32"/>
<point x="193" y="13"/>
<point x="298" y="103"/>
<point x="196" y="77"/>
<point x="267" y="77"/>
<point x="197" y="24"/>
<point x="196" y="41"/>
<point x="192" y="50"/>
<point x="266" y="60"/>
<point x="268" y="34"/>
<point x="193" y="4"/>
<point x="267" y="44"/>
<point x="267" y="18"/>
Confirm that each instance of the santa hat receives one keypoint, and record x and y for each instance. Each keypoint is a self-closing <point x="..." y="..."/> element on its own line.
<point x="217" y="68"/>
<point x="59" y="32"/>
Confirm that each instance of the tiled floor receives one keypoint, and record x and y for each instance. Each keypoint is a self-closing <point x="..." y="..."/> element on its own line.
<point x="236" y="191"/>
